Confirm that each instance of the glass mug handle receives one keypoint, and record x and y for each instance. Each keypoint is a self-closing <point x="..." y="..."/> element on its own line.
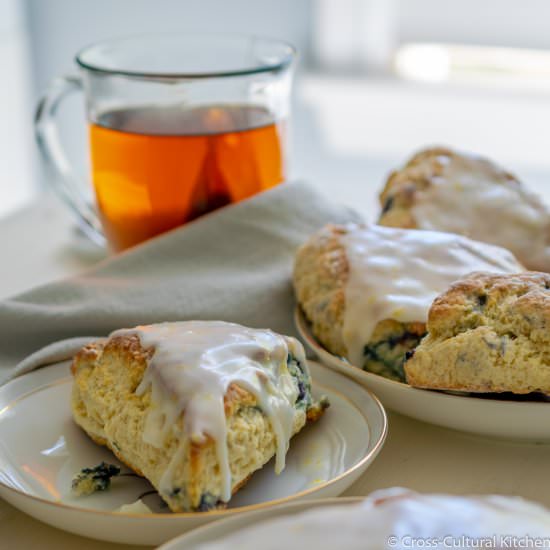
<point x="64" y="181"/>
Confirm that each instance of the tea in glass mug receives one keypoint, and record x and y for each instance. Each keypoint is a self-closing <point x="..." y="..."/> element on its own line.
<point x="179" y="125"/>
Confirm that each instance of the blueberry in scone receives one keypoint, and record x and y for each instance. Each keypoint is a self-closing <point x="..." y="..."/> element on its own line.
<point x="487" y="333"/>
<point x="366" y="290"/>
<point x="92" y="480"/>
<point x="444" y="190"/>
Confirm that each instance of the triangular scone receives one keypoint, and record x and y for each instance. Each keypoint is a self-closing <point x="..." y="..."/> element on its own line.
<point x="195" y="407"/>
<point x="487" y="333"/>
<point x="439" y="189"/>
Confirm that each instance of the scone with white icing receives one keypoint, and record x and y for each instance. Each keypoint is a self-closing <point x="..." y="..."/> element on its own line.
<point x="444" y="190"/>
<point x="195" y="407"/>
<point x="367" y="289"/>
<point x="487" y="333"/>
<point x="400" y="519"/>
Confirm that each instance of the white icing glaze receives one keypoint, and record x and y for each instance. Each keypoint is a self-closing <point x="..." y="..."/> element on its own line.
<point x="193" y="365"/>
<point x="397" y="273"/>
<point x="443" y="521"/>
<point x="475" y="198"/>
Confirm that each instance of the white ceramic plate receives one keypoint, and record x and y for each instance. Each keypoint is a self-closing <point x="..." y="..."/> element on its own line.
<point x="515" y="420"/>
<point x="220" y="529"/>
<point x="41" y="448"/>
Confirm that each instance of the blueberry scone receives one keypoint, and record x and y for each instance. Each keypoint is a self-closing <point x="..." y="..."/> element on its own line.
<point x="397" y="518"/>
<point x="444" y="190"/>
<point x="487" y="333"/>
<point x="366" y="290"/>
<point x="195" y="407"/>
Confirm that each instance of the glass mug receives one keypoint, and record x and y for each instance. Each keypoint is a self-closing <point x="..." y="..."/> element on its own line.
<point x="179" y="125"/>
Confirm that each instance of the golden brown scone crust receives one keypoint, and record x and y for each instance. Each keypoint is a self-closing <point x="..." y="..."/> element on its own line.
<point x="398" y="196"/>
<point x="321" y="272"/>
<point x="487" y="333"/>
<point x="105" y="405"/>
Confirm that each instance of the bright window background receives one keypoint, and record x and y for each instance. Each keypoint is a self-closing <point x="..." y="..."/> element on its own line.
<point x="363" y="36"/>
<point x="17" y="155"/>
<point x="380" y="78"/>
<point x="392" y="76"/>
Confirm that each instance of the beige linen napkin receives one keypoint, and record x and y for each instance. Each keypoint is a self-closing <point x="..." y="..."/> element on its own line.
<point x="233" y="264"/>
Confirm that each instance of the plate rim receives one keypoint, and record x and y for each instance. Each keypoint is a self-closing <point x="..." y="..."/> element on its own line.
<point x="303" y="327"/>
<point x="227" y="512"/>
<point x="336" y="501"/>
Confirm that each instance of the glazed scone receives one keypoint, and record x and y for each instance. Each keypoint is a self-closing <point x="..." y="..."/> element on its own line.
<point x="400" y="519"/>
<point x="487" y="333"/>
<point x="444" y="190"/>
<point x="366" y="290"/>
<point x="195" y="407"/>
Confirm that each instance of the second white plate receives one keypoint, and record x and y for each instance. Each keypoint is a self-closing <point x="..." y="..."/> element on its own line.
<point x="220" y="529"/>
<point x="513" y="420"/>
<point x="41" y="448"/>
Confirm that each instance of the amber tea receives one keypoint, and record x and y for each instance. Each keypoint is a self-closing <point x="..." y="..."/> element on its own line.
<point x="156" y="168"/>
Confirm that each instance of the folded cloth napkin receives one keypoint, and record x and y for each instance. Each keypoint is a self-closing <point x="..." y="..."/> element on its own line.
<point x="233" y="264"/>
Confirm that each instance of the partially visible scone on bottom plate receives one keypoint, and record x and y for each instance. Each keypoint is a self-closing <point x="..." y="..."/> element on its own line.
<point x="487" y="333"/>
<point x="441" y="189"/>
<point x="195" y="407"/>
<point x="366" y="290"/>
<point x="395" y="518"/>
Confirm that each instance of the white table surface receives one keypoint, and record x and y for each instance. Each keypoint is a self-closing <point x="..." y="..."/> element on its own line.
<point x="38" y="244"/>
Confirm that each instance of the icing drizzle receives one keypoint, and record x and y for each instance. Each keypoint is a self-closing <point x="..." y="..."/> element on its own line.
<point x="473" y="197"/>
<point x="192" y="367"/>
<point x="397" y="273"/>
